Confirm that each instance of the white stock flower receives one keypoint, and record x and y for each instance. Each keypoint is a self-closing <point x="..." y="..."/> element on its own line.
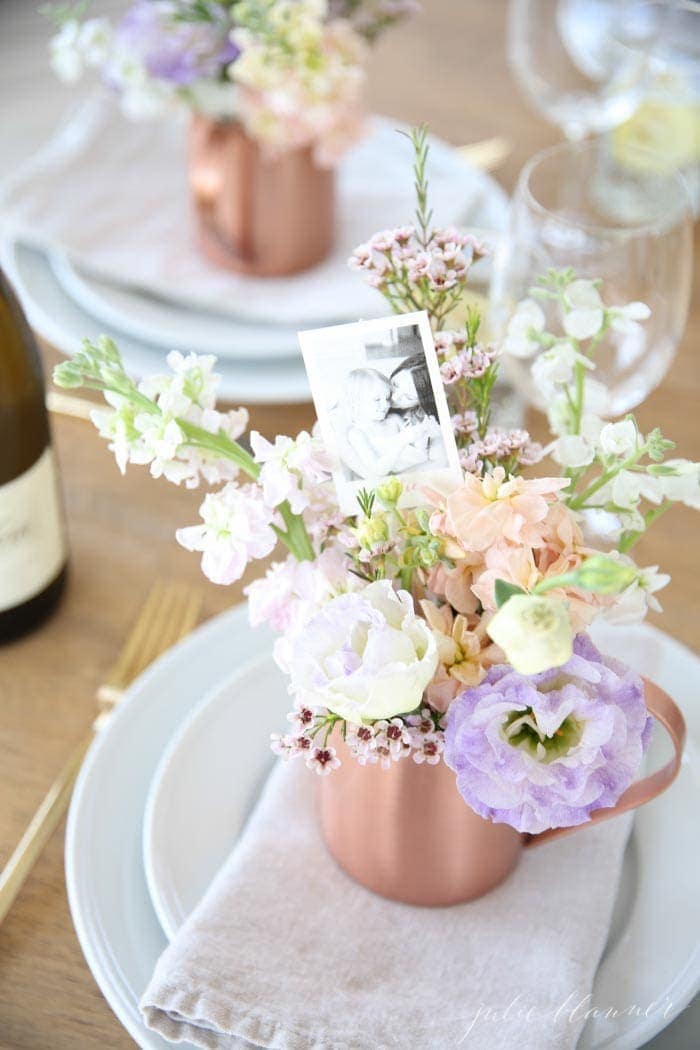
<point x="66" y="57"/>
<point x="632" y="604"/>
<point x="578" y="450"/>
<point x="683" y="486"/>
<point x="292" y="591"/>
<point x="78" y="46"/>
<point x="365" y="655"/>
<point x="523" y="328"/>
<point x="619" y="439"/>
<point x="596" y="397"/>
<point x="143" y="97"/>
<point x="95" y="41"/>
<point x="624" y="318"/>
<point x="237" y="528"/>
<point x="573" y="450"/>
<point x="161" y="439"/>
<point x="288" y="466"/>
<point x="585" y="312"/>
<point x="555" y="367"/>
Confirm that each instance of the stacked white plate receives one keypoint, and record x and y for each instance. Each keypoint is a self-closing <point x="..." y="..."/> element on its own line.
<point x="167" y="787"/>
<point x="97" y="237"/>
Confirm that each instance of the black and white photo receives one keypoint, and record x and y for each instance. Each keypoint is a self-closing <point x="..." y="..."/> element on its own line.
<point x="380" y="402"/>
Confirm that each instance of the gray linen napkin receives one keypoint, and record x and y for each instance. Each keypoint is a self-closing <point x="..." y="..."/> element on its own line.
<point x="286" y="951"/>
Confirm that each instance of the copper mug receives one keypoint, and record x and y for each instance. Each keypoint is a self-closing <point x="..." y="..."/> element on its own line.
<point x="407" y="834"/>
<point x="256" y="213"/>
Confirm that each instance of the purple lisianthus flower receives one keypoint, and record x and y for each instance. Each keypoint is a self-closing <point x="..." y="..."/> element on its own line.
<point x="173" y="48"/>
<point x="546" y="750"/>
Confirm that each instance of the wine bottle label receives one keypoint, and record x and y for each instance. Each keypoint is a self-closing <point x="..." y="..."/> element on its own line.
<point x="32" y="536"/>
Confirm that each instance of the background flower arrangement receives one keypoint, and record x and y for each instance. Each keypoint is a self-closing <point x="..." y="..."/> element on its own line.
<point x="291" y="71"/>
<point x="455" y="629"/>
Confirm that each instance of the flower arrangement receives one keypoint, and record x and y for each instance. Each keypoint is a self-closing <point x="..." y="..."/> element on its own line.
<point x="291" y="71"/>
<point x="434" y="625"/>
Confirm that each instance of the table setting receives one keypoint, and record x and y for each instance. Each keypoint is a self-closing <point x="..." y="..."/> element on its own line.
<point x="423" y="775"/>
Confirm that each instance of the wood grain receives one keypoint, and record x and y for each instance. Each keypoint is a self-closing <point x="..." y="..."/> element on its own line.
<point x="448" y="69"/>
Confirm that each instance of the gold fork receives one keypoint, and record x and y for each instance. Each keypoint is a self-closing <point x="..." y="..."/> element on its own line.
<point x="169" y="613"/>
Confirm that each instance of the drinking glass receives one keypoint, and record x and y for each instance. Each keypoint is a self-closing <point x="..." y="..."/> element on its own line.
<point x="584" y="63"/>
<point x="664" y="132"/>
<point x="563" y="214"/>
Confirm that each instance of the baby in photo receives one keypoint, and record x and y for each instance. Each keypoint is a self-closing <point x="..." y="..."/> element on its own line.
<point x="379" y="439"/>
<point x="380" y="403"/>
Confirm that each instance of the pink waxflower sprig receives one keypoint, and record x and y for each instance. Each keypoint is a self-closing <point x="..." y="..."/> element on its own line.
<point x="469" y="371"/>
<point x="418" y="267"/>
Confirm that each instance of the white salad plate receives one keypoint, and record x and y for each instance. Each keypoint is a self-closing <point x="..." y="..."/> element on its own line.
<point x="172" y="325"/>
<point x="175" y="751"/>
<point x="64" y="323"/>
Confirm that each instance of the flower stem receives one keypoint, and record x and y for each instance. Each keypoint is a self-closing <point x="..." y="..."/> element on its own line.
<point x="221" y="446"/>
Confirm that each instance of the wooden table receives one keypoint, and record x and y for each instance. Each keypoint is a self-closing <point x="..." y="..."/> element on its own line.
<point x="447" y="68"/>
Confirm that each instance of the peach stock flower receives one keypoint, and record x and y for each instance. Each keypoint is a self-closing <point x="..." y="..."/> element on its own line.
<point x="483" y="510"/>
<point x="455" y="584"/>
<point x="465" y="653"/>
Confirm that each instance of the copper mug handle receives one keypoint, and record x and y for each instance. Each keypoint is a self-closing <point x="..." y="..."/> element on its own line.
<point x="664" y="710"/>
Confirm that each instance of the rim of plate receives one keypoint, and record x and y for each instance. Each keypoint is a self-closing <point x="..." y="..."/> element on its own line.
<point x="92" y="294"/>
<point x="281" y="381"/>
<point x="153" y="796"/>
<point x="105" y="967"/>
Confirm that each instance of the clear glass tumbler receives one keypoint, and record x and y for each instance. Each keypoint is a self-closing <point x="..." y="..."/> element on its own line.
<point x="565" y="213"/>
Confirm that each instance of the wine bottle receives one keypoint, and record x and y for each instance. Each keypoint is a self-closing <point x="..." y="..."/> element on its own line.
<point x="33" y="547"/>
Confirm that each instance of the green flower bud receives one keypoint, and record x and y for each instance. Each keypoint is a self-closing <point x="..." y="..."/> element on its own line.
<point x="390" y="491"/>
<point x="603" y="575"/>
<point x="535" y="633"/>
<point x="372" y="530"/>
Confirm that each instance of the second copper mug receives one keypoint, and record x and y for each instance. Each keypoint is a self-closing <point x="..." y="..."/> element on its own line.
<point x="407" y="834"/>
<point x="258" y="214"/>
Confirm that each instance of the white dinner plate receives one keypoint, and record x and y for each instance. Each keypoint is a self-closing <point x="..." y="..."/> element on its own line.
<point x="117" y="928"/>
<point x="652" y="950"/>
<point x="201" y="750"/>
<point x="64" y="324"/>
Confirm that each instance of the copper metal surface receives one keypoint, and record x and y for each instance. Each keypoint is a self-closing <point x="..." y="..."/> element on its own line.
<point x="406" y="833"/>
<point x="257" y="214"/>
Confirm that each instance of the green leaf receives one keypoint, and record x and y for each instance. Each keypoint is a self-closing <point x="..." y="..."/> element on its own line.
<point x="503" y="591"/>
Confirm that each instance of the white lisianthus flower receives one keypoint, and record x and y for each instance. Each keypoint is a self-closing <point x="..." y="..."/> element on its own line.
<point x="525" y="324"/>
<point x="237" y="528"/>
<point x="619" y="439"/>
<point x="365" y="655"/>
<point x="584" y="313"/>
<point x="534" y="632"/>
